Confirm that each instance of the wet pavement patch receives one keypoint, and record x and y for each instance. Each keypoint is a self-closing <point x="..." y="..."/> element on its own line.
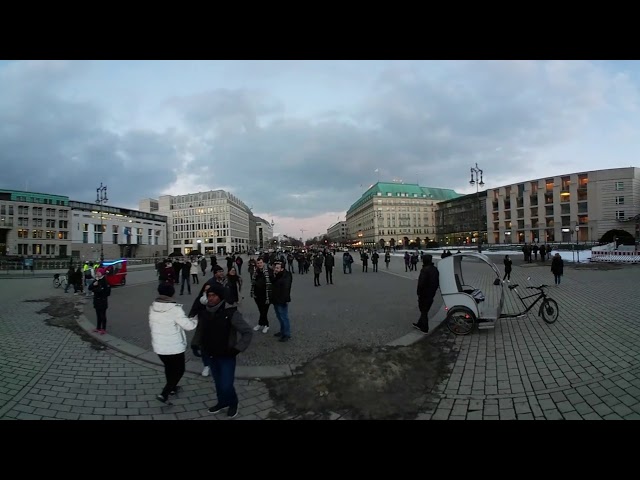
<point x="63" y="313"/>
<point x="373" y="383"/>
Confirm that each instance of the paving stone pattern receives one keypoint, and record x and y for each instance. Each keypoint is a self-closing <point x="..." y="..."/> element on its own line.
<point x="585" y="366"/>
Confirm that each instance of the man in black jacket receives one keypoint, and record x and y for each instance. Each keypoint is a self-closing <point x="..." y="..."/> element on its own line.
<point x="428" y="284"/>
<point x="280" y="298"/>
<point x="218" y="329"/>
<point x="101" y="291"/>
<point x="329" y="262"/>
<point x="186" y="271"/>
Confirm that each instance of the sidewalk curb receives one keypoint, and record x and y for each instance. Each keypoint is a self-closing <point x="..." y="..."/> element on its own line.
<point x="242" y="371"/>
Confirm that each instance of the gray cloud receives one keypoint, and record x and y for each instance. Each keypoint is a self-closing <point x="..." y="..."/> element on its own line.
<point x="413" y="121"/>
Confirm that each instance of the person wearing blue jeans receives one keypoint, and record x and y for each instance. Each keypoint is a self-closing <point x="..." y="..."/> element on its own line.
<point x="217" y="334"/>
<point x="280" y="298"/>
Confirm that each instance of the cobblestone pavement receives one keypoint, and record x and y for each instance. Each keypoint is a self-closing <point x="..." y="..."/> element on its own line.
<point x="586" y="365"/>
<point x="361" y="309"/>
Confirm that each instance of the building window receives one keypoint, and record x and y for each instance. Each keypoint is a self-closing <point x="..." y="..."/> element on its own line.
<point x="85" y="237"/>
<point x="97" y="237"/>
<point x="3" y="210"/>
<point x="10" y="209"/>
<point x="139" y="236"/>
<point x="619" y="214"/>
<point x="619" y="185"/>
<point x="619" y="200"/>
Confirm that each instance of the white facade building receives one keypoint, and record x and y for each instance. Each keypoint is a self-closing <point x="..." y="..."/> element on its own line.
<point x="125" y="233"/>
<point x="209" y="222"/>
<point x="264" y="233"/>
<point x="574" y="207"/>
<point x="338" y="233"/>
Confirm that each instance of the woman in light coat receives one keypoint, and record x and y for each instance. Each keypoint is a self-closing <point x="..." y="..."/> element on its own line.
<point x="194" y="272"/>
<point x="168" y="323"/>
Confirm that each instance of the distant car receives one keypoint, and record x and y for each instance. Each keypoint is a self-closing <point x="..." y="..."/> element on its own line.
<point x="345" y="249"/>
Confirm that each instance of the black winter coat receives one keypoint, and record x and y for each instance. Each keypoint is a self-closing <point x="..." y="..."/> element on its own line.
<point x="557" y="266"/>
<point x="100" y="293"/>
<point x="428" y="282"/>
<point x="281" y="288"/>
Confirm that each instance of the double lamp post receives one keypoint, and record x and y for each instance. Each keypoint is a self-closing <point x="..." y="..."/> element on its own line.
<point x="478" y="181"/>
<point x="101" y="198"/>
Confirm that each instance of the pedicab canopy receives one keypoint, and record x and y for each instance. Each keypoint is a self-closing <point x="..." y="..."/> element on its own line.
<point x="456" y="293"/>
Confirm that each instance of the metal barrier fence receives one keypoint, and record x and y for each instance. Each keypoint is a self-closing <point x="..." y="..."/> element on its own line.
<point x="18" y="267"/>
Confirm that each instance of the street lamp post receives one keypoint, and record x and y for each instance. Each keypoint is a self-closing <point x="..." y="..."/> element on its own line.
<point x="577" y="251"/>
<point x="478" y="183"/>
<point x="101" y="198"/>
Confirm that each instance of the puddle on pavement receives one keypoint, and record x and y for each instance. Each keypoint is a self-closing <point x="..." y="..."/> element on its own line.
<point x="63" y="313"/>
<point x="372" y="383"/>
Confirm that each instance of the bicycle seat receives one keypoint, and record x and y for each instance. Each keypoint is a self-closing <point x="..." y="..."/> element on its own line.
<point x="511" y="287"/>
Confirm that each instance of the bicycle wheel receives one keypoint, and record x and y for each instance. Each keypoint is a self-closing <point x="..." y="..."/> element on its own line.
<point x="56" y="282"/>
<point x="460" y="321"/>
<point x="550" y="310"/>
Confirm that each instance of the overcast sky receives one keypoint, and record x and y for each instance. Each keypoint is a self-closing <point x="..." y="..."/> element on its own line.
<point x="299" y="141"/>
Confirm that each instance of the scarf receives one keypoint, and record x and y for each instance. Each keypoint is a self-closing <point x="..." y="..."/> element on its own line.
<point x="265" y="270"/>
<point x="215" y="308"/>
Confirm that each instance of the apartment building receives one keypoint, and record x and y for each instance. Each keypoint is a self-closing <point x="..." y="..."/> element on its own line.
<point x="566" y="208"/>
<point x="395" y="214"/>
<point x="116" y="232"/>
<point x="34" y="224"/>
<point x="264" y="233"/>
<point x="207" y="222"/>
<point x="338" y="233"/>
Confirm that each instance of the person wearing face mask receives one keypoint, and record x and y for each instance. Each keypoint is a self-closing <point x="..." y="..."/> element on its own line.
<point x="219" y="326"/>
<point x="101" y="291"/>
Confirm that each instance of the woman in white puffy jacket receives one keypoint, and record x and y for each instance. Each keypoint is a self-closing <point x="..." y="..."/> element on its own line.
<point x="168" y="323"/>
<point x="194" y="272"/>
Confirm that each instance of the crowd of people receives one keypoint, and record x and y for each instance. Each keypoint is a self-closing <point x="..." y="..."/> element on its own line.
<point x="221" y="332"/>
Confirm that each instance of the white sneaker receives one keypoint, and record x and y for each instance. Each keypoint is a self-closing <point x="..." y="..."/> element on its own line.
<point x="265" y="329"/>
<point x="257" y="327"/>
<point x="206" y="371"/>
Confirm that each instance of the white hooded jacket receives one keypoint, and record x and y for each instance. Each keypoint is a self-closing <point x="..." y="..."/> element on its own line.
<point x="168" y="323"/>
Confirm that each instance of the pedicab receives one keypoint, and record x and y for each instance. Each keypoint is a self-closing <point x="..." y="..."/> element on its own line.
<point x="465" y="304"/>
<point x="115" y="272"/>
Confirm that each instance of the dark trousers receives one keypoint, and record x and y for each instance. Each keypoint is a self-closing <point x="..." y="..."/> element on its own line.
<point x="375" y="266"/>
<point x="300" y="267"/>
<point x="173" y="371"/>
<point x="239" y="268"/>
<point x="223" y="371"/>
<point x="507" y="275"/>
<point x="263" y="308"/>
<point x="557" y="277"/>
<point x="424" y="304"/>
<point x="387" y="264"/>
<point x="329" y="274"/>
<point x="101" y="315"/>
<point x="194" y="278"/>
<point x="406" y="267"/>
<point x="185" y="278"/>
<point x="365" y="266"/>
<point x="291" y="267"/>
<point x="316" y="279"/>
<point x="204" y="271"/>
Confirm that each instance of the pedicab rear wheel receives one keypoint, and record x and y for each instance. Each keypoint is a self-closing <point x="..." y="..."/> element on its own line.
<point x="461" y="321"/>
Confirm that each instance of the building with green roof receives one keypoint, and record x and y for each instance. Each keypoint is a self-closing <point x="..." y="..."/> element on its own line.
<point x="390" y="213"/>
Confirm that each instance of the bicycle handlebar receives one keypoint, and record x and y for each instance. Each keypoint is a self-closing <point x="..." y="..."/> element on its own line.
<point x="538" y="288"/>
